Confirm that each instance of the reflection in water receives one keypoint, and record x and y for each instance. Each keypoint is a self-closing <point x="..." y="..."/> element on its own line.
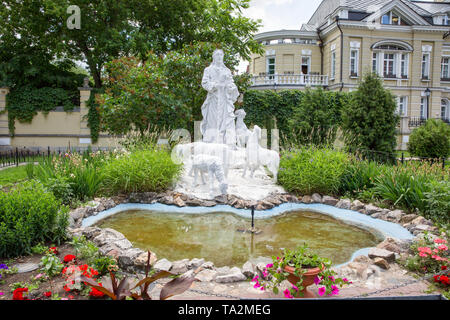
<point x="213" y="236"/>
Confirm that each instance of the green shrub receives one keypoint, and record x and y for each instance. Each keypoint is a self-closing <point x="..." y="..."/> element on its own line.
<point x="359" y="177"/>
<point x="29" y="214"/>
<point x="310" y="170"/>
<point x="438" y="201"/>
<point x="140" y="171"/>
<point x="403" y="188"/>
<point x="431" y="140"/>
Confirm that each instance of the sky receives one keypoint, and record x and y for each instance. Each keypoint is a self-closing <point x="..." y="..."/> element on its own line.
<point x="280" y="14"/>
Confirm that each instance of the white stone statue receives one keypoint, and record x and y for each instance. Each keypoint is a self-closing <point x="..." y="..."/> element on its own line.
<point x="186" y="152"/>
<point x="257" y="156"/>
<point x="213" y="166"/>
<point x="242" y="132"/>
<point x="218" y="109"/>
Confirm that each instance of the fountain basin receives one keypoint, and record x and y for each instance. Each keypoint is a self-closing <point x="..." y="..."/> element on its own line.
<point x="210" y="232"/>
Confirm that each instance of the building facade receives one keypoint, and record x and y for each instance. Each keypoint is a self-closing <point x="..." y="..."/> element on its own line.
<point x="406" y="42"/>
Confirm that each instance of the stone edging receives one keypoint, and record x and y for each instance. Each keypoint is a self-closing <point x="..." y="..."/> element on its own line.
<point x="113" y="243"/>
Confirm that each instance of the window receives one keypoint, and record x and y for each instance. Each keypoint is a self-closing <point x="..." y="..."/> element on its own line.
<point x="445" y="68"/>
<point x="375" y="62"/>
<point x="392" y="19"/>
<point x="446" y="21"/>
<point x="389" y="65"/>
<point x="333" y="64"/>
<point x="306" y="63"/>
<point x="423" y="108"/>
<point x="404" y="66"/>
<point x="402" y="106"/>
<point x="425" y="66"/>
<point x="271" y="66"/>
<point x="354" y="57"/>
<point x="444" y="110"/>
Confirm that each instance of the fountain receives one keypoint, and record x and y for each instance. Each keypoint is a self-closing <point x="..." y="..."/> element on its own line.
<point x="228" y="148"/>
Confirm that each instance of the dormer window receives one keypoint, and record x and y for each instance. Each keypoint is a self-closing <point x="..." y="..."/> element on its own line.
<point x="392" y="19"/>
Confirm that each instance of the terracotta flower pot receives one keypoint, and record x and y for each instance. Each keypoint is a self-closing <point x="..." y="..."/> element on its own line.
<point x="308" y="279"/>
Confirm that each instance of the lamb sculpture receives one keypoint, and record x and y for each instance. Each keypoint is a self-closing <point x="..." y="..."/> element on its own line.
<point x="213" y="166"/>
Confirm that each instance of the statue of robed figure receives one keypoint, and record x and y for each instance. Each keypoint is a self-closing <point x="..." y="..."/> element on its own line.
<point x="218" y="125"/>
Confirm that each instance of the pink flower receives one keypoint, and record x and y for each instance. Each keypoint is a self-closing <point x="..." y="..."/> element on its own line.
<point x="440" y="241"/>
<point x="322" y="291"/>
<point x="1" y="293"/>
<point x="334" y="290"/>
<point x="443" y="247"/>
<point x="255" y="278"/>
<point x="424" y="255"/>
<point x="345" y="279"/>
<point x="316" y="280"/>
<point x="270" y="265"/>
<point x="287" y="294"/>
<point x="257" y="285"/>
<point x="262" y="289"/>
<point x="424" y="249"/>
<point x="295" y="287"/>
<point x="331" y="277"/>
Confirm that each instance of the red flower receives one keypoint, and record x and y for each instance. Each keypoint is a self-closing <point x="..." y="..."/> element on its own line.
<point x="48" y="294"/>
<point x="69" y="258"/>
<point x="443" y="267"/>
<point x="18" y="294"/>
<point x="53" y="250"/>
<point x="96" y="293"/>
<point x="444" y="280"/>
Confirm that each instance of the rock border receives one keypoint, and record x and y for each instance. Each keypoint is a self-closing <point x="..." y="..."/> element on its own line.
<point x="114" y="243"/>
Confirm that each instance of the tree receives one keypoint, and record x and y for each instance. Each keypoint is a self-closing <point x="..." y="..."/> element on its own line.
<point x="369" y="120"/>
<point x="431" y="140"/>
<point x="316" y="118"/>
<point x="163" y="91"/>
<point x="111" y="29"/>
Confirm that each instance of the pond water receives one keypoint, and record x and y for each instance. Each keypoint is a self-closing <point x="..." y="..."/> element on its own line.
<point x="214" y="236"/>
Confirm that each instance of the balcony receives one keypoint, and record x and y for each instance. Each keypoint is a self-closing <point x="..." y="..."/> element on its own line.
<point x="418" y="121"/>
<point x="289" y="81"/>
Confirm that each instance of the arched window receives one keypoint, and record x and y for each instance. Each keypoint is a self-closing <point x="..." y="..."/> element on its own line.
<point x="390" y="59"/>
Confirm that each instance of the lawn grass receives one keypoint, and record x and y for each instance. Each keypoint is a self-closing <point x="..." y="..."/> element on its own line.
<point x="12" y="175"/>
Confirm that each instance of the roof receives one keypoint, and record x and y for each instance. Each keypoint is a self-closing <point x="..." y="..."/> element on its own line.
<point x="422" y="8"/>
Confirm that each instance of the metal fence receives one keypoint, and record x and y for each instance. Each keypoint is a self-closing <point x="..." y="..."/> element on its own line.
<point x="16" y="156"/>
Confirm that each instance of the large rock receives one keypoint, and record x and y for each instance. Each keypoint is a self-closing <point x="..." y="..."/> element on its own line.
<point x="316" y="198"/>
<point x="382" y="263"/>
<point x="371" y="209"/>
<point x="389" y="256"/>
<point x="357" y="205"/>
<point x="248" y="270"/>
<point x="180" y="266"/>
<point x="207" y="265"/>
<point x="235" y="275"/>
<point x="422" y="220"/>
<point x="91" y="232"/>
<point x="179" y="202"/>
<point x="195" y="263"/>
<point x="141" y="260"/>
<point x="395" y="215"/>
<point x="329" y="200"/>
<point x="362" y="259"/>
<point x="306" y="199"/>
<point x="407" y="218"/>
<point x="206" y="275"/>
<point x="344" y="204"/>
<point x="126" y="258"/>
<point x="107" y="235"/>
<point x="359" y="268"/>
<point x="163" y="265"/>
<point x="78" y="214"/>
<point x="393" y="245"/>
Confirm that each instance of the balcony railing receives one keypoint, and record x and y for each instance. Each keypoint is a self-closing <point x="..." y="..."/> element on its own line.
<point x="418" y="121"/>
<point x="290" y="79"/>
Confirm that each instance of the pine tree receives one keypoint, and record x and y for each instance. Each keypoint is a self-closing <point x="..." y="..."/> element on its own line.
<point x="369" y="120"/>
